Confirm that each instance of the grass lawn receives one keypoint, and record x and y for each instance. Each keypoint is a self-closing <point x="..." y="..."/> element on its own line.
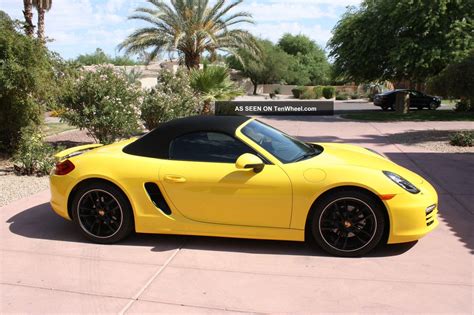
<point x="415" y="115"/>
<point x="53" y="128"/>
<point x="449" y="102"/>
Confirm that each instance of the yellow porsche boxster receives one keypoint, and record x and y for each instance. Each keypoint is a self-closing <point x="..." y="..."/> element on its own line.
<point x="238" y="177"/>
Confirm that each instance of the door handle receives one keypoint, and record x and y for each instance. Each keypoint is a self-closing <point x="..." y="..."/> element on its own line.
<point x="175" y="179"/>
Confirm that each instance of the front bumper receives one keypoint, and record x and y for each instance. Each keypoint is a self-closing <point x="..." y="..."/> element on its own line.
<point x="408" y="218"/>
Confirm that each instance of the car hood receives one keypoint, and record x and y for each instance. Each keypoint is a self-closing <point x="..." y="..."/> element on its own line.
<point x="350" y="155"/>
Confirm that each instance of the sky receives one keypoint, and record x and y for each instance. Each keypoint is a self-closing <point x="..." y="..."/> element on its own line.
<point x="81" y="26"/>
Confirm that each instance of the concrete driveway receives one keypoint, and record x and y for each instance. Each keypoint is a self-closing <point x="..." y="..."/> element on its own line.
<point x="46" y="267"/>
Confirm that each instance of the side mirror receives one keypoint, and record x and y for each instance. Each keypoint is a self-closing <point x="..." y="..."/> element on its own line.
<point x="247" y="160"/>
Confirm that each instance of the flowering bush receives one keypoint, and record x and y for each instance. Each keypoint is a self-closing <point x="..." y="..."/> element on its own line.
<point x="33" y="156"/>
<point x="171" y="98"/>
<point x="104" y="103"/>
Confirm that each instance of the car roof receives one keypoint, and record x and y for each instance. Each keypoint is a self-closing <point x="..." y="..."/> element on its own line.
<point x="156" y="142"/>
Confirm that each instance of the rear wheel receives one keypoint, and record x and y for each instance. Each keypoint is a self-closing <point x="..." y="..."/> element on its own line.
<point x="348" y="223"/>
<point x="102" y="213"/>
<point x="384" y="107"/>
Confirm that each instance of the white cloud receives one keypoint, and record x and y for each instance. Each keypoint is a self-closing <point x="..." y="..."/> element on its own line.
<point x="82" y="25"/>
<point x="287" y="11"/>
<point x="274" y="31"/>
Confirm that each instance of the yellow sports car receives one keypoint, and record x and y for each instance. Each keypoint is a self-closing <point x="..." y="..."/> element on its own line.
<point x="238" y="177"/>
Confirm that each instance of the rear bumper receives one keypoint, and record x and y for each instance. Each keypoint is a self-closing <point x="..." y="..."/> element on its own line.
<point x="60" y="187"/>
<point x="408" y="218"/>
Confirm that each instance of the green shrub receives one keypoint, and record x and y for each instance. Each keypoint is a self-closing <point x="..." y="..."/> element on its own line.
<point x="104" y="103"/>
<point x="462" y="139"/>
<point x="308" y="94"/>
<point x="277" y="91"/>
<point x="342" y="97"/>
<point x="172" y="98"/>
<point x="318" y="92"/>
<point x="354" y="96"/>
<point x="328" y="92"/>
<point x="25" y="82"/>
<point x="33" y="156"/>
<point x="298" y="91"/>
<point x="464" y="106"/>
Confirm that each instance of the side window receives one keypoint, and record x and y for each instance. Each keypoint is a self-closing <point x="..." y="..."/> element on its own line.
<point x="207" y="147"/>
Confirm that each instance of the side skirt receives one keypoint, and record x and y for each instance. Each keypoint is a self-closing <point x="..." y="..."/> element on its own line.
<point x="156" y="225"/>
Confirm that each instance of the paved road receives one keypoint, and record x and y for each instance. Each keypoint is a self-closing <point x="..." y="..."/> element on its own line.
<point x="46" y="267"/>
<point x="350" y="106"/>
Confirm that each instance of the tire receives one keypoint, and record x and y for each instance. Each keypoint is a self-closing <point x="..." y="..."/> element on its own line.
<point x="419" y="107"/>
<point x="102" y="213"/>
<point x="433" y="106"/>
<point x="384" y="108"/>
<point x="348" y="223"/>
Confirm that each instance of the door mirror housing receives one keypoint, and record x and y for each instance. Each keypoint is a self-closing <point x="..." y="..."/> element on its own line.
<point x="248" y="160"/>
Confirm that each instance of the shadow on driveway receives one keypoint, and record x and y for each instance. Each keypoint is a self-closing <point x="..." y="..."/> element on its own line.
<point x="40" y="222"/>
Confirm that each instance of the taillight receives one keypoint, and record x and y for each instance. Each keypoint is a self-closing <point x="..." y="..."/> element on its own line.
<point x="64" y="167"/>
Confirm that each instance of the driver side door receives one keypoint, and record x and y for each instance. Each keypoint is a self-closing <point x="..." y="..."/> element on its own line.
<point x="203" y="184"/>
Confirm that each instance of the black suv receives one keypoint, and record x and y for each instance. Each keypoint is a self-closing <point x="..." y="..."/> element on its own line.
<point x="417" y="100"/>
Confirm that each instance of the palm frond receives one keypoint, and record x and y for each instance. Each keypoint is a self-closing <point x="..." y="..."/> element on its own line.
<point x="190" y="27"/>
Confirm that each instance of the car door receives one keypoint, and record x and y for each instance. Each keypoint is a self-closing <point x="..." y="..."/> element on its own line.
<point x="203" y="184"/>
<point x="416" y="99"/>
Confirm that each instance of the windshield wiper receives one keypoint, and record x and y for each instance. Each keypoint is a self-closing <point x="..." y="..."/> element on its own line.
<point x="307" y="155"/>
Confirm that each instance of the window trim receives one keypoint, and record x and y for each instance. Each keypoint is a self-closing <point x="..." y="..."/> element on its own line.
<point x="255" y="152"/>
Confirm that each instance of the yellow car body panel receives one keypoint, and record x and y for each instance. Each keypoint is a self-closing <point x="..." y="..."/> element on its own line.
<point x="217" y="199"/>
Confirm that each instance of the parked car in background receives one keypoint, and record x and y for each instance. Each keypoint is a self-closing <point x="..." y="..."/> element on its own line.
<point x="418" y="100"/>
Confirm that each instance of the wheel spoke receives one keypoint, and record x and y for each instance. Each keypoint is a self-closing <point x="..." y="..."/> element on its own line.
<point x="347" y="224"/>
<point x="99" y="213"/>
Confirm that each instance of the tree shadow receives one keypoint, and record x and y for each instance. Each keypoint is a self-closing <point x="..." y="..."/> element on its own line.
<point x="40" y="222"/>
<point x="453" y="173"/>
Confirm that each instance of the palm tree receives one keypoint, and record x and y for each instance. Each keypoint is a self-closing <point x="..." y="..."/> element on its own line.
<point x="190" y="28"/>
<point x="42" y="6"/>
<point x="28" y="14"/>
<point x="213" y="84"/>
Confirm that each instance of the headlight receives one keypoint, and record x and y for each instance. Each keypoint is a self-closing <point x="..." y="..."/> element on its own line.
<point x="378" y="153"/>
<point x="402" y="182"/>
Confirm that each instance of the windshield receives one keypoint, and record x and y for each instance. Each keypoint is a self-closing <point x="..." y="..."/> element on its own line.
<point x="284" y="147"/>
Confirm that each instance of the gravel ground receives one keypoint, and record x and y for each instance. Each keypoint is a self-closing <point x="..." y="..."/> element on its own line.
<point x="14" y="187"/>
<point x="433" y="140"/>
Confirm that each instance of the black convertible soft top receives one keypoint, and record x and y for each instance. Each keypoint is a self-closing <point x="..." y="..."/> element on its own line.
<point x="156" y="143"/>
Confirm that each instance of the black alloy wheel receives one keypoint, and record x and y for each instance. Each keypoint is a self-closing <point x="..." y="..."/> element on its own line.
<point x="348" y="223"/>
<point x="102" y="213"/>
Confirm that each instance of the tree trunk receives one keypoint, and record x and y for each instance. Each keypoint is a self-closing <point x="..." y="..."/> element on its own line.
<point x="41" y="12"/>
<point x="206" y="109"/>
<point x="402" y="102"/>
<point x="28" y="14"/>
<point x="192" y="60"/>
<point x="255" y="87"/>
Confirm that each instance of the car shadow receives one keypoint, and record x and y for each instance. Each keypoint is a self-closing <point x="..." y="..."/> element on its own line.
<point x="40" y="222"/>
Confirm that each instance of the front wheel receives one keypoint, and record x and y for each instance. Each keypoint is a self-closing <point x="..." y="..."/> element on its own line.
<point x="348" y="223"/>
<point x="102" y="213"/>
<point x="433" y="106"/>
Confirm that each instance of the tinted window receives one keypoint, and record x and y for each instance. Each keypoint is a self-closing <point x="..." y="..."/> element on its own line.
<point x="207" y="147"/>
